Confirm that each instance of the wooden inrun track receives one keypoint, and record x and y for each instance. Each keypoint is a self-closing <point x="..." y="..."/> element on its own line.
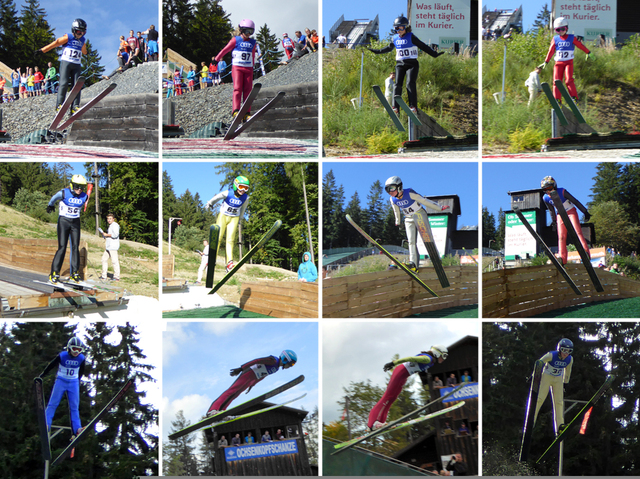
<point x="280" y="299"/>
<point x="525" y="292"/>
<point x="394" y="294"/>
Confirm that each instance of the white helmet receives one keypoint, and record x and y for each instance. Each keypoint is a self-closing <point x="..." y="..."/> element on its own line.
<point x="560" y="22"/>
<point x="440" y="351"/>
<point x="394" y="183"/>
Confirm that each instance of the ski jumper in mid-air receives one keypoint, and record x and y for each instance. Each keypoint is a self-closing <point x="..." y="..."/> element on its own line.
<point x="409" y="202"/>
<point x="71" y="59"/>
<point x="243" y="52"/>
<point x="71" y="365"/>
<point x="556" y="373"/>
<point x="406" y="45"/>
<point x="570" y="203"/>
<point x="402" y="369"/>
<point x="563" y="46"/>
<point x="250" y="374"/>
<point x="234" y="204"/>
<point x="71" y="201"/>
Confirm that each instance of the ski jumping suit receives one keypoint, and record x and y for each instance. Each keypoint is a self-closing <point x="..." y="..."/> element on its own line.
<point x="556" y="371"/>
<point x="68" y="228"/>
<point x="231" y="211"/>
<point x="287" y="44"/>
<point x="407" y="63"/>
<point x="564" y="48"/>
<point x="252" y="373"/>
<point x="405" y="367"/>
<point x="410" y="203"/>
<point x="562" y="228"/>
<point x="70" y="64"/>
<point x="70" y="370"/>
<point x="242" y="59"/>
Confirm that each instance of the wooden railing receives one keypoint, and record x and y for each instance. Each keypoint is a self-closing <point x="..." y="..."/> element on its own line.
<point x="280" y="299"/>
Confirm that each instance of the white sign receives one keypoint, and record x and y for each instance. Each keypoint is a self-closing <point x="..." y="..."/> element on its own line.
<point x="443" y="22"/>
<point x="438" y="226"/>
<point x="517" y="239"/>
<point x="589" y="18"/>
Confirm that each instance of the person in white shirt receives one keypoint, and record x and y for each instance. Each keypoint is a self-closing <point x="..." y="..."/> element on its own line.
<point x="389" y="85"/>
<point x="204" y="260"/>
<point x="533" y="84"/>
<point x="112" y="245"/>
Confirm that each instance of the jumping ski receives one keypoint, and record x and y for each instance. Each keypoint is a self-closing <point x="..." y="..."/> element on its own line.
<point x="387" y="106"/>
<point x="424" y="228"/>
<point x="244" y="109"/>
<point x="85" y="108"/>
<point x="214" y="237"/>
<point x="267" y="236"/>
<point x="399" y="263"/>
<point x="42" y="420"/>
<point x="61" y="285"/>
<point x="570" y="103"/>
<point x="550" y="255"/>
<point x="407" y="110"/>
<point x="236" y="409"/>
<point x="71" y="447"/>
<point x="531" y="407"/>
<point x="554" y="103"/>
<point x="401" y="425"/>
<point x="257" y="115"/>
<point x="586" y="261"/>
<point x="561" y="435"/>
<point x="67" y="103"/>
<point x="404" y="418"/>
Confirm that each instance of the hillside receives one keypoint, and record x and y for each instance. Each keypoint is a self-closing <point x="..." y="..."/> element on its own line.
<point x="138" y="262"/>
<point x="188" y="262"/>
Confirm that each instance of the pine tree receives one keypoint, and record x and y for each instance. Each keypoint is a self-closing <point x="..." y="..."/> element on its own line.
<point x="91" y="68"/>
<point x="34" y="33"/>
<point x="543" y="19"/>
<point x="177" y="17"/>
<point x="374" y="216"/>
<point x="209" y="31"/>
<point x="179" y="457"/>
<point x="607" y="184"/>
<point x="9" y="29"/>
<point x="488" y="227"/>
<point x="352" y="237"/>
<point x="269" y="47"/>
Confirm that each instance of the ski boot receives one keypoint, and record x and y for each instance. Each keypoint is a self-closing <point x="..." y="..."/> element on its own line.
<point x="396" y="110"/>
<point x="229" y="265"/>
<point x="377" y="425"/>
<point x="73" y="110"/>
<point x="414" y="110"/>
<point x="75" y="277"/>
<point x="411" y="266"/>
<point x="213" y="412"/>
<point x="234" y="114"/>
<point x="561" y="428"/>
<point x="246" y="117"/>
<point x="54" y="277"/>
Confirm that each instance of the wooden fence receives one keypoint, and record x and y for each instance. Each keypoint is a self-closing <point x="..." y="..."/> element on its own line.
<point x="524" y="292"/>
<point x="168" y="266"/>
<point x="395" y="294"/>
<point x="36" y="255"/>
<point x="280" y="299"/>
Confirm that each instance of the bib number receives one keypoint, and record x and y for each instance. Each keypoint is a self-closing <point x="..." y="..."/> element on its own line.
<point x="564" y="55"/>
<point x="407" y="53"/>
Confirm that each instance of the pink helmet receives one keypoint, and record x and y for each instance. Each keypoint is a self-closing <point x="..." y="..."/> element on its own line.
<point x="246" y="23"/>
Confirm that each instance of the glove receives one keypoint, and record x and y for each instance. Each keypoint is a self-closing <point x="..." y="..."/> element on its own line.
<point x="209" y="205"/>
<point x="49" y="208"/>
<point x="38" y="52"/>
<point x="587" y="216"/>
<point x="588" y="56"/>
<point x="235" y="371"/>
<point x="388" y="367"/>
<point x="440" y="53"/>
<point x="542" y="65"/>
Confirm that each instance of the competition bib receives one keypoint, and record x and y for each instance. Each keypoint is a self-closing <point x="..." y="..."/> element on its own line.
<point x="565" y="49"/>
<point x="412" y="368"/>
<point x="71" y="211"/>
<point x="407" y="53"/>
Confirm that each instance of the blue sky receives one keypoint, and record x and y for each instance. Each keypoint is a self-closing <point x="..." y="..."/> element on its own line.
<point x="428" y="179"/>
<point x="499" y="178"/>
<point x="197" y="358"/>
<point x="106" y="21"/>
<point x="198" y="177"/>
<point x="387" y="12"/>
<point x="530" y="9"/>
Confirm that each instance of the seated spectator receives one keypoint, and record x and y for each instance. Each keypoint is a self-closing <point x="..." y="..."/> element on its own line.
<point x="249" y="439"/>
<point x="266" y="437"/>
<point x="451" y="380"/>
<point x="279" y="435"/>
<point x="124" y="59"/>
<point x="301" y="40"/>
<point x="465" y="377"/>
<point x="311" y="46"/>
<point x="236" y="441"/>
<point x="315" y="39"/>
<point x="446" y="429"/>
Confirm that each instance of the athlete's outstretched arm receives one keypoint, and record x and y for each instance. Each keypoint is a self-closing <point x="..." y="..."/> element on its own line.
<point x="579" y="205"/>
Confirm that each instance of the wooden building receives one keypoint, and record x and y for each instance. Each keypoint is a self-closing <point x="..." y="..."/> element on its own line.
<point x="286" y="457"/>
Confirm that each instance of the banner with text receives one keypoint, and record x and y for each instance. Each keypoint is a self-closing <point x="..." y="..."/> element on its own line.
<point x="442" y="22"/>
<point x="467" y="392"/>
<point x="517" y="240"/>
<point x="265" y="449"/>
<point x="589" y="18"/>
<point x="438" y="226"/>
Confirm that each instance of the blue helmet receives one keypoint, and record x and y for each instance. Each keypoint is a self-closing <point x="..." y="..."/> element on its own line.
<point x="565" y="345"/>
<point x="288" y="358"/>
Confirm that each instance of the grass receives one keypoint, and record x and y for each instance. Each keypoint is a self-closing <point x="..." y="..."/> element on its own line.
<point x="373" y="264"/>
<point x="621" y="308"/>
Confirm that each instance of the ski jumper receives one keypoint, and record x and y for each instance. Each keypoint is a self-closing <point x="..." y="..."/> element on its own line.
<point x="406" y="47"/>
<point x="68" y="228"/>
<point x="564" y="48"/>
<point x="562" y="228"/>
<point x="307" y="270"/>
<point x="70" y="370"/>
<point x="231" y="211"/>
<point x="556" y="372"/>
<point x="404" y="368"/>
<point x="409" y="204"/>
<point x="287" y="44"/>
<point x="252" y="373"/>
<point x="243" y="54"/>
<point x="70" y="63"/>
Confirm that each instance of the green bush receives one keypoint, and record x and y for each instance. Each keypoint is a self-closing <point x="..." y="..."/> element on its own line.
<point x="34" y="204"/>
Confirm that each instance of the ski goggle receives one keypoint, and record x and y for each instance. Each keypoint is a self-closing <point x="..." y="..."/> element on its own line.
<point x="76" y="349"/>
<point x="81" y="32"/>
<point x="566" y="350"/>
<point x="400" y="27"/>
<point x="560" y="29"/>
<point x="391" y="188"/>
<point x="247" y="31"/>
<point x="243" y="188"/>
<point x="78" y="187"/>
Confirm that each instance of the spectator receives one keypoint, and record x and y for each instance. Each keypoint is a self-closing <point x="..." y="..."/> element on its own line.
<point x="288" y="45"/>
<point x="124" y="60"/>
<point x="223" y="442"/>
<point x="437" y="382"/>
<point x="177" y="82"/>
<point x="451" y="380"/>
<point x="236" y="441"/>
<point x="37" y="81"/>
<point x="279" y="435"/>
<point x="301" y="39"/>
<point x="249" y="439"/>
<point x="463" y="430"/>
<point x="191" y="79"/>
<point x="446" y="429"/>
<point x="204" y="259"/>
<point x="533" y="84"/>
<point x="307" y="271"/>
<point x="134" y="49"/>
<point x="31" y="82"/>
<point x="615" y="269"/>
<point x="213" y="72"/>
<point x="15" y="83"/>
<point x="456" y="465"/>
<point x="23" y="85"/>
<point x="169" y="82"/>
<point x="465" y="377"/>
<point x="152" y="43"/>
<point x="311" y="46"/>
<point x="222" y="66"/>
<point x="112" y="245"/>
<point x="2" y="83"/>
<point x="341" y="41"/>
<point x="143" y="47"/>
<point x="389" y="85"/>
<point x="50" y="78"/>
<point x="315" y="39"/>
<point x="266" y="437"/>
<point x="204" y="75"/>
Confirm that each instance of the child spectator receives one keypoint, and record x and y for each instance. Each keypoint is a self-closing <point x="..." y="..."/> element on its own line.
<point x="204" y="75"/>
<point x="38" y="77"/>
<point x="191" y="77"/>
<point x="177" y="82"/>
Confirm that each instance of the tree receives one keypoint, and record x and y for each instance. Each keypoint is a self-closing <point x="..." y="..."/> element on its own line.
<point x="35" y="31"/>
<point x="352" y="237"/>
<point x="9" y="30"/>
<point x="614" y="228"/>
<point x="607" y="184"/>
<point x="543" y="19"/>
<point x="501" y="229"/>
<point x="268" y="44"/>
<point x="331" y="211"/>
<point x="374" y="216"/>
<point x="488" y="227"/>
<point x="210" y="30"/>
<point x="178" y="454"/>
<point x="91" y="68"/>
<point x="176" y="20"/>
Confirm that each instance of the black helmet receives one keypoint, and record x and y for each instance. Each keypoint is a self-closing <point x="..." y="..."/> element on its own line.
<point x="78" y="24"/>
<point x="401" y="21"/>
<point x="76" y="344"/>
